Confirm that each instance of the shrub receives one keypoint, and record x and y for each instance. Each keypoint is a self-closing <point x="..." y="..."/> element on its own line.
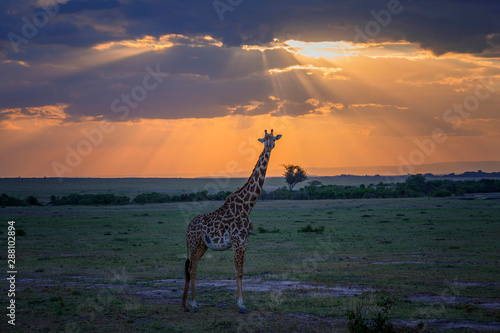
<point x="309" y="228"/>
<point x="32" y="201"/>
<point x="263" y="230"/>
<point x="20" y="232"/>
<point x="441" y="193"/>
<point x="90" y="199"/>
<point x="379" y="323"/>
<point x="6" y="200"/>
<point x="153" y="197"/>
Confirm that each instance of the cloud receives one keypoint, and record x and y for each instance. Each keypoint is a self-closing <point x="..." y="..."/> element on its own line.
<point x="78" y="6"/>
<point x="447" y="26"/>
<point x="53" y="112"/>
<point x="203" y="79"/>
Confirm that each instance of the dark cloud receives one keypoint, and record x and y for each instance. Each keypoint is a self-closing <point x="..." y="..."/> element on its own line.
<point x="444" y="26"/>
<point x="80" y="6"/>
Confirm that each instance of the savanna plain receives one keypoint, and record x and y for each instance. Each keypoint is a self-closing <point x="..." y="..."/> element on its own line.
<point x="420" y="264"/>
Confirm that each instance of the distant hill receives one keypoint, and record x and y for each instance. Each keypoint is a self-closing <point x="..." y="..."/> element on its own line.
<point x="434" y="168"/>
<point x="471" y="174"/>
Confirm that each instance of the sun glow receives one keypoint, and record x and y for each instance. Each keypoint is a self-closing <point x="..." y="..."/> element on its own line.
<point x="336" y="50"/>
<point x="308" y="68"/>
<point x="322" y="49"/>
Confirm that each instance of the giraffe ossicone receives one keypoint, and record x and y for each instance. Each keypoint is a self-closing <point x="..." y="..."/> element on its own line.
<point x="227" y="227"/>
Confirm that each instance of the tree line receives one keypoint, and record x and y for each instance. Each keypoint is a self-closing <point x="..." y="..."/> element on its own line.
<point x="414" y="186"/>
<point x="113" y="199"/>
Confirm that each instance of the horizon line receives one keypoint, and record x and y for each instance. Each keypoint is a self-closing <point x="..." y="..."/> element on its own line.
<point x="451" y="174"/>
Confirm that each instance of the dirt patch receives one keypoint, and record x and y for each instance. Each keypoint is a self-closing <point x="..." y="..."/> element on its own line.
<point x="260" y="285"/>
<point x="401" y="263"/>
<point x="490" y="306"/>
<point x="442" y="324"/>
<point x="471" y="325"/>
<point x="172" y="288"/>
<point x="475" y="284"/>
<point x="424" y="298"/>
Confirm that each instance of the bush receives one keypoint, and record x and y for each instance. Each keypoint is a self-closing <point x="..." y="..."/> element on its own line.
<point x="153" y="197"/>
<point x="309" y="228"/>
<point x="263" y="230"/>
<point x="90" y="199"/>
<point x="32" y="201"/>
<point x="380" y="323"/>
<point x="441" y="193"/>
<point x="6" y="200"/>
<point x="20" y="232"/>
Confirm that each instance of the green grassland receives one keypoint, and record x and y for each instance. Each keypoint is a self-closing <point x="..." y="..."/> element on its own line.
<point x="95" y="269"/>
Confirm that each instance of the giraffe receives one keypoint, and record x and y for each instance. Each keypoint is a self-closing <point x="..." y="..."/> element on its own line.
<point x="229" y="226"/>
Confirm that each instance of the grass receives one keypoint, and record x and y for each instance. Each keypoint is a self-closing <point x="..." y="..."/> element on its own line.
<point x="94" y="269"/>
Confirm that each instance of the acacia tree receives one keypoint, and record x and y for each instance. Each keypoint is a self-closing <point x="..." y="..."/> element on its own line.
<point x="294" y="174"/>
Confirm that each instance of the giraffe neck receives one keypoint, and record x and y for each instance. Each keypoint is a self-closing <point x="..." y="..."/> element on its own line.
<point x="252" y="189"/>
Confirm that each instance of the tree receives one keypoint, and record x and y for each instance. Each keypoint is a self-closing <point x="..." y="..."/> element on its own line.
<point x="32" y="201"/>
<point x="315" y="183"/>
<point x="294" y="174"/>
<point x="417" y="183"/>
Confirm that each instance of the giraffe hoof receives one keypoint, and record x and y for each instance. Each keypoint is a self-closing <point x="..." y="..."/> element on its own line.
<point x="243" y="310"/>
<point x="195" y="310"/>
<point x="186" y="309"/>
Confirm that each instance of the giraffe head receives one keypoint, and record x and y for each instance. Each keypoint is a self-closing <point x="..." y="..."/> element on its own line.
<point x="269" y="140"/>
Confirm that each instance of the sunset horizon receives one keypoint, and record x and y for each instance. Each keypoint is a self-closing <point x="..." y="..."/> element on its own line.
<point x="436" y="169"/>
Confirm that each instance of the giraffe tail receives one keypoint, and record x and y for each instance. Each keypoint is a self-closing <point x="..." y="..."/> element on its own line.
<point x="186" y="270"/>
<point x="187" y="264"/>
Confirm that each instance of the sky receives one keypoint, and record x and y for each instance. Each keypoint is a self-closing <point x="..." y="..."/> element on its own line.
<point x="157" y="88"/>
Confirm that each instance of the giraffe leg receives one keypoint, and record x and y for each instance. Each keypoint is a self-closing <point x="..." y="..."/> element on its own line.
<point x="239" y="257"/>
<point x="195" y="259"/>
